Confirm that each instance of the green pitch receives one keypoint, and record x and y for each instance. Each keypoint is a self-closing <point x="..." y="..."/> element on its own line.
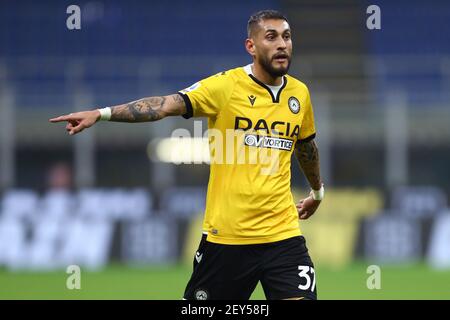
<point x="168" y="282"/>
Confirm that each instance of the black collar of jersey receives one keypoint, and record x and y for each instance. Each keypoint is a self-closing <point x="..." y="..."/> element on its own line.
<point x="274" y="99"/>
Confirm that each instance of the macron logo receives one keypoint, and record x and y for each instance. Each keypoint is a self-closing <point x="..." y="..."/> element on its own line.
<point x="198" y="257"/>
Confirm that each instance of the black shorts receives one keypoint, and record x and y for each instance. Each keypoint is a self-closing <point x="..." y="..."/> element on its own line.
<point x="232" y="271"/>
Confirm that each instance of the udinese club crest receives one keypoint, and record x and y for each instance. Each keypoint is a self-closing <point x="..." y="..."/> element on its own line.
<point x="294" y="104"/>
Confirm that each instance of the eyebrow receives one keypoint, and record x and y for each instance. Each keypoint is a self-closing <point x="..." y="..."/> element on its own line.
<point x="273" y="30"/>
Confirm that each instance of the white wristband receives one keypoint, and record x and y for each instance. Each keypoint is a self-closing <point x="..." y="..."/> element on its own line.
<point x="105" y="114"/>
<point x="318" y="194"/>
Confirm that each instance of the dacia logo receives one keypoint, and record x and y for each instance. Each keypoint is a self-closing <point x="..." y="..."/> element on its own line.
<point x="276" y="128"/>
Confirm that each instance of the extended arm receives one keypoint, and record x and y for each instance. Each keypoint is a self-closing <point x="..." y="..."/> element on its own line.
<point x="149" y="109"/>
<point x="145" y="109"/>
<point x="307" y="155"/>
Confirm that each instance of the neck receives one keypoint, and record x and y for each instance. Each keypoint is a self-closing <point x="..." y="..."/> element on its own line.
<point x="265" y="77"/>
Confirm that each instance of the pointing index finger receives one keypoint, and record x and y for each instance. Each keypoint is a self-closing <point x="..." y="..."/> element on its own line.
<point x="61" y="118"/>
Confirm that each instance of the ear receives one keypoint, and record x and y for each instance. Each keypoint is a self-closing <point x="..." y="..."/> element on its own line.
<point x="250" y="47"/>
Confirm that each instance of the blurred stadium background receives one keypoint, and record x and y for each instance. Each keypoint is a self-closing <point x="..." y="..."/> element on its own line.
<point x="111" y="201"/>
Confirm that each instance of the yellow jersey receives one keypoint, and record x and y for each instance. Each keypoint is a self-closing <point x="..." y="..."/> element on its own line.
<point x="252" y="131"/>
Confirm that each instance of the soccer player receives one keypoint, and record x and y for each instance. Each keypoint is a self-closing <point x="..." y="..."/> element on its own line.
<point x="251" y="225"/>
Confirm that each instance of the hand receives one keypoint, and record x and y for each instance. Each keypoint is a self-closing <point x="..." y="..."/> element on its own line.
<point x="78" y="121"/>
<point x="306" y="207"/>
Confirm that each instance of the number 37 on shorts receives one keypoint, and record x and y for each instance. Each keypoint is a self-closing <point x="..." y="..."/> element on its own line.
<point x="308" y="278"/>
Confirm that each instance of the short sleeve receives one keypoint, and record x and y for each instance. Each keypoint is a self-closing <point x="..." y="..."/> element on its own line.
<point x="307" y="129"/>
<point x="206" y="97"/>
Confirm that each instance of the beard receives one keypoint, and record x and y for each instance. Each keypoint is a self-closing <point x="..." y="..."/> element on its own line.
<point x="274" y="72"/>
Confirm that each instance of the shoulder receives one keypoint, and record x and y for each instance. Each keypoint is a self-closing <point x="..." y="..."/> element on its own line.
<point x="297" y="84"/>
<point x="231" y="75"/>
<point x="221" y="81"/>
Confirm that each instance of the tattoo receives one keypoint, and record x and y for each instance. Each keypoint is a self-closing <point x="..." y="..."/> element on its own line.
<point x="307" y="155"/>
<point x="149" y="109"/>
<point x="307" y="151"/>
<point x="146" y="109"/>
<point x="177" y="98"/>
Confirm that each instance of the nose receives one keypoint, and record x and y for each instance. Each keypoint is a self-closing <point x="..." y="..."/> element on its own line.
<point x="281" y="44"/>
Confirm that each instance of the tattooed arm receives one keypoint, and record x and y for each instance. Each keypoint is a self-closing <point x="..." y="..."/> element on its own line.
<point x="146" y="109"/>
<point x="149" y="109"/>
<point x="307" y="155"/>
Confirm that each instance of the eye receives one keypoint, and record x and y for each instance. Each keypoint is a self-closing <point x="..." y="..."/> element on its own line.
<point x="270" y="36"/>
<point x="287" y="36"/>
